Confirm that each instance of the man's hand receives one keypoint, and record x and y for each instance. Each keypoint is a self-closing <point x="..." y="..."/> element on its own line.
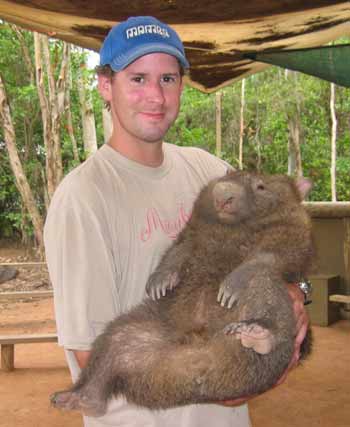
<point x="302" y="323"/>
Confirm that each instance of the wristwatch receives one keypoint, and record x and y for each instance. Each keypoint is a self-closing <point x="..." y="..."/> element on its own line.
<point x="306" y="288"/>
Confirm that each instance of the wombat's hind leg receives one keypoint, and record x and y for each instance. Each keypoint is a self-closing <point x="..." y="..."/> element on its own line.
<point x="75" y="400"/>
<point x="252" y="335"/>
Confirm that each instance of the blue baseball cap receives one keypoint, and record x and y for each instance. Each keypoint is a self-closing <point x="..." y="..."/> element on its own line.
<point x="139" y="36"/>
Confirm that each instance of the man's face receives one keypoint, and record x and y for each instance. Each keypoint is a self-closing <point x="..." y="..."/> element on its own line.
<point x="145" y="97"/>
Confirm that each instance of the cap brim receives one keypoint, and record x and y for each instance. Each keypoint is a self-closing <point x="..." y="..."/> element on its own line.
<point x="122" y="61"/>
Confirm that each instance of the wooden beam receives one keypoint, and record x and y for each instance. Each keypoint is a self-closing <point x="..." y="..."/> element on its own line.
<point x="345" y="299"/>
<point x="25" y="294"/>
<point x="22" y="264"/>
<point x="328" y="209"/>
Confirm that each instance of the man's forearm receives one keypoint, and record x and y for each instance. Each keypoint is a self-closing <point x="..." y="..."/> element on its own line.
<point x="82" y="357"/>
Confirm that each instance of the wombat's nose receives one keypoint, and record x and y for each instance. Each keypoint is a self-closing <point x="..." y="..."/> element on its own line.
<point x="224" y="204"/>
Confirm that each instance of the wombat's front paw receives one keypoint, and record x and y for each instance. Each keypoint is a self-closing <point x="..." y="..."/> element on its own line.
<point x="234" y="283"/>
<point x="252" y="335"/>
<point x="73" y="400"/>
<point x="230" y="290"/>
<point x="227" y="294"/>
<point x="161" y="282"/>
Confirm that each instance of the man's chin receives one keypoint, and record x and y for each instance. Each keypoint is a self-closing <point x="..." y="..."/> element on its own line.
<point x="153" y="136"/>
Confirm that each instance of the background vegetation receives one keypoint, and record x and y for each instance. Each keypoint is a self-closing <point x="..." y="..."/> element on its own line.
<point x="276" y="104"/>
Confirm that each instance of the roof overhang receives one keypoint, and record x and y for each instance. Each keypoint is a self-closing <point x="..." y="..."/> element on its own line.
<point x="216" y="34"/>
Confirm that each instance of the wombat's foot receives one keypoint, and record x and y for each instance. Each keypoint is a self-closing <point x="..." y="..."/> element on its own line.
<point x="74" y="400"/>
<point x="239" y="279"/>
<point x="161" y="282"/>
<point x="252" y="335"/>
<point x="230" y="290"/>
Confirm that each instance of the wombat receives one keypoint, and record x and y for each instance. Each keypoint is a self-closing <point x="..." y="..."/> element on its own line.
<point x="220" y="324"/>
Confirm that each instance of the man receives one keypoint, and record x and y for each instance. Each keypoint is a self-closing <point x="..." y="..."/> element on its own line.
<point x="111" y="219"/>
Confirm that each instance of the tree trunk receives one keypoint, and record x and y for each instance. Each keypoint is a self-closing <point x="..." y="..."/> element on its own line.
<point x="45" y="114"/>
<point x="87" y="114"/>
<point x="68" y="111"/>
<point x="295" y="165"/>
<point x="16" y="166"/>
<point x="218" y="97"/>
<point x="51" y="104"/>
<point x="70" y="130"/>
<point x="333" y="144"/>
<point x="25" y="51"/>
<point x="241" y="125"/>
<point x="55" y="97"/>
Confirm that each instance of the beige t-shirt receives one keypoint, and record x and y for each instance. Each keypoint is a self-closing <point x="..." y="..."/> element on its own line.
<point x="109" y="223"/>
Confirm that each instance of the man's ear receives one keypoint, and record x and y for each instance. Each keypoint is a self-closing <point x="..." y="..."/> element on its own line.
<point x="104" y="84"/>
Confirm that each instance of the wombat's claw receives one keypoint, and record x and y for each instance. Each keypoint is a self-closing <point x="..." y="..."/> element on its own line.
<point x="252" y="335"/>
<point x="156" y="289"/>
<point x="70" y="400"/>
<point x="65" y="400"/>
<point x="226" y="295"/>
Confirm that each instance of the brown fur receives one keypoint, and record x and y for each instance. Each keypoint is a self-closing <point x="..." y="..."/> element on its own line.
<point x="248" y="234"/>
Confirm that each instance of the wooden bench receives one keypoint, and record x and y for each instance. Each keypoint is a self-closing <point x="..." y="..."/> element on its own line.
<point x="15" y="296"/>
<point x="8" y="342"/>
<point x="344" y="299"/>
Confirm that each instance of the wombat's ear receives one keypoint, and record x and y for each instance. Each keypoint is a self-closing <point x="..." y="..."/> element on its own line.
<point x="304" y="186"/>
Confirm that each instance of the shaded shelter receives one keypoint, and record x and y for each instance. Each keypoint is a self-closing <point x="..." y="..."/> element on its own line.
<point x="217" y="34"/>
<point x="225" y="41"/>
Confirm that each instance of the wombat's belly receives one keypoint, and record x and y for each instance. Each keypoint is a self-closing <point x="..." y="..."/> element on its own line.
<point x="196" y="311"/>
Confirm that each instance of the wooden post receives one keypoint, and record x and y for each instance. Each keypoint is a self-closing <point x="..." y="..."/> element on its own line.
<point x="218" y="123"/>
<point x="7" y="357"/>
<point x="347" y="254"/>
<point x="333" y="145"/>
<point x="241" y="126"/>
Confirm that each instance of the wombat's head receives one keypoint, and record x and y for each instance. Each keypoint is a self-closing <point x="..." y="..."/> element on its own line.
<point x="242" y="196"/>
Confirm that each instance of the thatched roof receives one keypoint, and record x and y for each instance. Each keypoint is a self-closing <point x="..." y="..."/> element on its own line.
<point x="216" y="34"/>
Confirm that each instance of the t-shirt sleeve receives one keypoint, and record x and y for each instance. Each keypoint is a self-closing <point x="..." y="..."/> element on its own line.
<point x="206" y="165"/>
<point x="81" y="267"/>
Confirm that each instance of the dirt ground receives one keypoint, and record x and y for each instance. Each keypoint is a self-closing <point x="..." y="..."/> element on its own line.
<point x="314" y="395"/>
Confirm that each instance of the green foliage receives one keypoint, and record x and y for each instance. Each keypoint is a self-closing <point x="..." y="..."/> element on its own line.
<point x="26" y="117"/>
<point x="195" y="125"/>
<point x="9" y="203"/>
<point x="271" y="98"/>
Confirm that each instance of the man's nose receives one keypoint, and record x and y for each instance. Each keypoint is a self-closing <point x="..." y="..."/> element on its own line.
<point x="155" y="93"/>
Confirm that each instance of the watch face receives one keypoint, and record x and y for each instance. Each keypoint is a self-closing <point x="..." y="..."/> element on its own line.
<point x="306" y="287"/>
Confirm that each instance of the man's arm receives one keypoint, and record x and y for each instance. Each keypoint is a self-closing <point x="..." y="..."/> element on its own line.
<point x="302" y="325"/>
<point x="81" y="357"/>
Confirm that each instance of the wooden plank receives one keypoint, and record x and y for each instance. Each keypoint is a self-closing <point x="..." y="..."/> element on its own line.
<point x="8" y="357"/>
<point x="346" y="222"/>
<point x="22" y="264"/>
<point x="328" y="209"/>
<point x="25" y="294"/>
<point x="340" y="298"/>
<point x="27" y="339"/>
<point x="8" y="342"/>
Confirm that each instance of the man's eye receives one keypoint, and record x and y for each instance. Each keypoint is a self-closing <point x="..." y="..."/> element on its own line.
<point x="137" y="79"/>
<point x="168" y="79"/>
